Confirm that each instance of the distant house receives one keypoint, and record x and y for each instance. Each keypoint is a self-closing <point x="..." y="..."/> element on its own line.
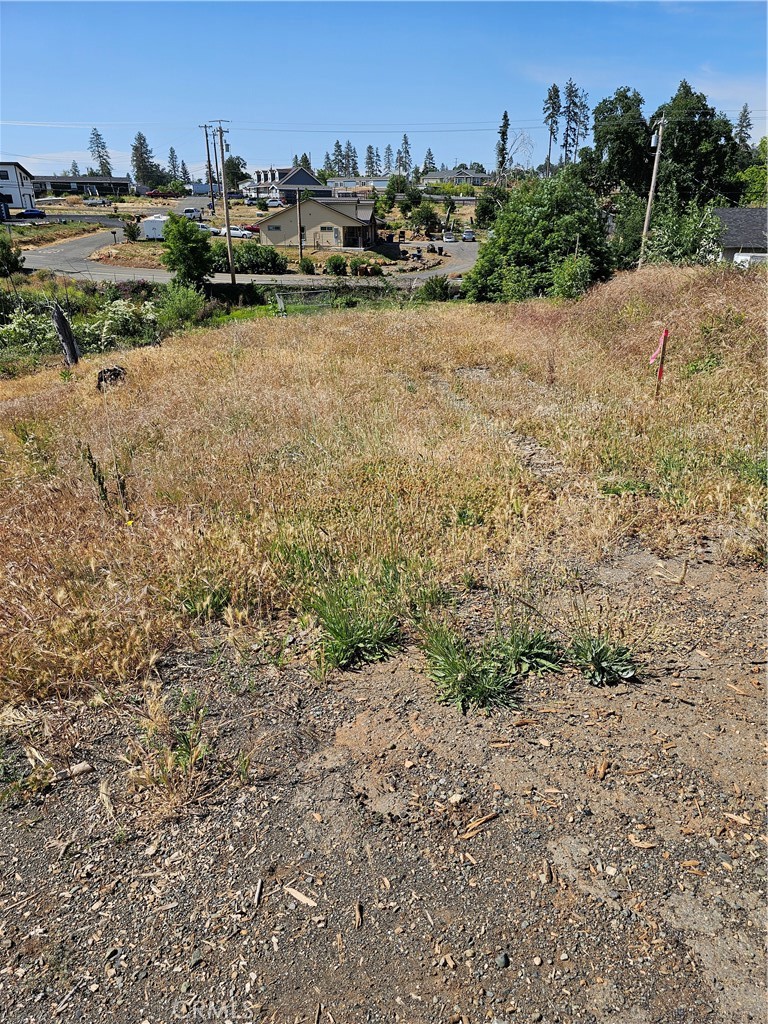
<point x="348" y="183"/>
<point x="16" y="186"/>
<point x="744" y="234"/>
<point x="327" y="224"/>
<point x="85" y="184"/>
<point x="283" y="183"/>
<point x="458" y="176"/>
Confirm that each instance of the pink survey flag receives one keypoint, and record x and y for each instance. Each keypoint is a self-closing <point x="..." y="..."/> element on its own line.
<point x="657" y="353"/>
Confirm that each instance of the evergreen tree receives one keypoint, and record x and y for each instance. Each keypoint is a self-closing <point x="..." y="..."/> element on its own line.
<point x="429" y="162"/>
<point x="742" y="136"/>
<point x="502" y="153"/>
<point x="97" y="147"/>
<point x="581" y="122"/>
<point x="145" y="169"/>
<point x="399" y="162"/>
<point x="173" y="165"/>
<point x="235" y="170"/>
<point x="571" y="120"/>
<point x="370" y="161"/>
<point x="305" y="162"/>
<point x="552" y="112"/>
<point x="337" y="162"/>
<point x="184" y="174"/>
<point x="74" y="170"/>
<point x="377" y="162"/>
<point x="405" y="154"/>
<point x="187" y="251"/>
<point x="295" y="161"/>
<point x="327" y="167"/>
<point x="388" y="160"/>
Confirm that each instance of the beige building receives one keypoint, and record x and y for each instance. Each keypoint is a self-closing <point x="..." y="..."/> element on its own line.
<point x="340" y="224"/>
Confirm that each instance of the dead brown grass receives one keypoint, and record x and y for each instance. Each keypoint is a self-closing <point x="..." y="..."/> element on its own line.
<point x="366" y="436"/>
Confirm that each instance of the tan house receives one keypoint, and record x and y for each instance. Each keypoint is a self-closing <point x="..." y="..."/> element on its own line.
<point x="336" y="224"/>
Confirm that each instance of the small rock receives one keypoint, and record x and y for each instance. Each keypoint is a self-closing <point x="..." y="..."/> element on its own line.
<point x="502" y="960"/>
<point x="563" y="956"/>
<point x="537" y="961"/>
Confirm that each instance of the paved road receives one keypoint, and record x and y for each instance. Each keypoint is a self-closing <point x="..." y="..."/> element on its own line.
<point x="71" y="258"/>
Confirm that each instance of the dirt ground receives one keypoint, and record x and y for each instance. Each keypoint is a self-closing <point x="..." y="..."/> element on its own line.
<point x="598" y="855"/>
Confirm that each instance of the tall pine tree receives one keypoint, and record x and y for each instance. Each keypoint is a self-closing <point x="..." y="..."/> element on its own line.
<point x="377" y="162"/>
<point x="429" y="162"/>
<point x="370" y="161"/>
<point x="388" y="160"/>
<point x="502" y="150"/>
<point x="571" y="120"/>
<point x="338" y="158"/>
<point x="173" y="165"/>
<point x="97" y="147"/>
<point x="184" y="174"/>
<point x="405" y="156"/>
<point x="552" y="112"/>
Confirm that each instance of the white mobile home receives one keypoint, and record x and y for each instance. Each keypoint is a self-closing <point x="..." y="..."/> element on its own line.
<point x="152" y="227"/>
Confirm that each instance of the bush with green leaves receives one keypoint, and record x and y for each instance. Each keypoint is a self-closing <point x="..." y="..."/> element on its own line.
<point x="688" y="236"/>
<point x="11" y="259"/>
<point x="178" y="306"/>
<point x="435" y="289"/>
<point x="187" y="251"/>
<point x="131" y="230"/>
<point x="29" y="331"/>
<point x="117" y="324"/>
<point x="336" y="265"/>
<point x="571" y="278"/>
<point x="306" y="265"/>
<point x="250" y="258"/>
<point x="540" y="225"/>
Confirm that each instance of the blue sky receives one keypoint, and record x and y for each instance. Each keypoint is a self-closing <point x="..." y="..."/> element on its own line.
<point x="293" y="77"/>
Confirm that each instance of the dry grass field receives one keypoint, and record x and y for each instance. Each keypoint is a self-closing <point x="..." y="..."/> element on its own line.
<point x="239" y="469"/>
<point x="401" y="663"/>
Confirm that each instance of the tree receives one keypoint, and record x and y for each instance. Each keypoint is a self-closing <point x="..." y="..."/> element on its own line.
<point x="295" y="161"/>
<point x="396" y="185"/>
<point x="174" y="169"/>
<point x="552" y="112"/>
<point x="350" y="165"/>
<point x="184" y="174"/>
<point x="74" y="170"/>
<point x="11" y="259"/>
<point x="622" y="141"/>
<point x="628" y="218"/>
<point x="305" y="162"/>
<point x="337" y="161"/>
<point x="370" y="161"/>
<point x="571" y="120"/>
<point x="425" y="216"/>
<point x="388" y="160"/>
<point x="327" y="167"/>
<point x="377" y="162"/>
<point x="405" y="156"/>
<point x="490" y="202"/>
<point x="429" y="162"/>
<point x="187" y="251"/>
<point x="97" y="147"/>
<point x="687" y="235"/>
<point x="501" y="147"/>
<point x="742" y="136"/>
<point x="755" y="178"/>
<point x="399" y="161"/>
<point x="145" y="169"/>
<point x="699" y="153"/>
<point x="542" y="224"/>
<point x="477" y="168"/>
<point x="235" y="171"/>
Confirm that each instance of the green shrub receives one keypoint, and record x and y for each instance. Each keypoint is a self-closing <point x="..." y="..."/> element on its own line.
<point x="306" y="265"/>
<point x="468" y="676"/>
<point x="132" y="231"/>
<point x="435" y="289"/>
<point x="249" y="257"/>
<point x="337" y="265"/>
<point x="178" y="306"/>
<point x="29" y="331"/>
<point x="187" y="251"/>
<point x="572" y="277"/>
<point x="604" y="661"/>
<point x="117" y="323"/>
<point x="11" y="259"/>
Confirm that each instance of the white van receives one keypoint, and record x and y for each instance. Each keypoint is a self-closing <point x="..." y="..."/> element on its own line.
<point x="192" y="212"/>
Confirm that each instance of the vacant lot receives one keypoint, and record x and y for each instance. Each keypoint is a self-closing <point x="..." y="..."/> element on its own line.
<point x="203" y="809"/>
<point x="31" y="236"/>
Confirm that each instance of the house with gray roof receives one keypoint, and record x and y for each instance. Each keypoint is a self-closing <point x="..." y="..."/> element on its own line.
<point x="744" y="234"/>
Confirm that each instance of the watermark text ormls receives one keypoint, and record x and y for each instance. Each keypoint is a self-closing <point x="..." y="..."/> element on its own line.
<point x="226" y="1011"/>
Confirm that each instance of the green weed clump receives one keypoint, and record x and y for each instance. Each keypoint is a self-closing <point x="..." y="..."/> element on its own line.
<point x="357" y="622"/>
<point x="603" y="660"/>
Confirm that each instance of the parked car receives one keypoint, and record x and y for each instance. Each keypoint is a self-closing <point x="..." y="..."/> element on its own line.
<point x="208" y="227"/>
<point x="251" y="202"/>
<point x="96" y="202"/>
<point x="253" y="228"/>
<point x="274" y="203"/>
<point x="468" y="236"/>
<point x="237" y="232"/>
<point x="154" y="194"/>
<point x="234" y="195"/>
<point x="31" y="214"/>
<point x="448" y="236"/>
<point x="192" y="213"/>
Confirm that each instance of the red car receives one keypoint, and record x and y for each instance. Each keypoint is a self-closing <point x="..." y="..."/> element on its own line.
<point x="154" y="194"/>
<point x="251" y="227"/>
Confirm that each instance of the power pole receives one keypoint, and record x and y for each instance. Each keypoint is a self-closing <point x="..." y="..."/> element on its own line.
<point x="226" y="205"/>
<point x="216" y="163"/>
<point x="298" y="218"/>
<point x="210" y="172"/>
<point x="660" y="125"/>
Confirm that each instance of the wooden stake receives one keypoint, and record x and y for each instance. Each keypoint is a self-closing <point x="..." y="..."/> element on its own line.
<point x="660" y="374"/>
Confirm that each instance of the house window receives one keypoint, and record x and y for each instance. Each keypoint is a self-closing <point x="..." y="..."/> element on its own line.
<point x="274" y="227"/>
<point x="326" y="227"/>
<point x="4" y="176"/>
